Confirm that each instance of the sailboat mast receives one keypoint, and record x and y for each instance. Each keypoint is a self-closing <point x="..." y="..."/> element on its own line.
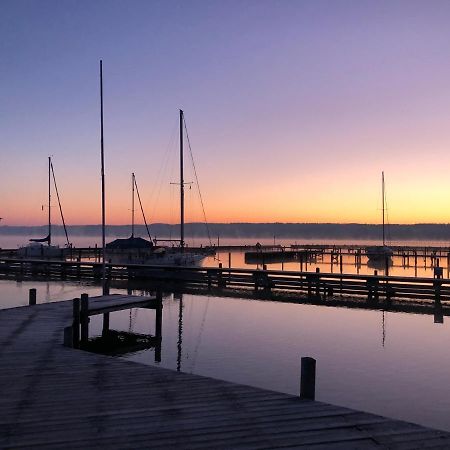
<point x="49" y="202"/>
<point x="181" y="184"/>
<point x="382" y="199"/>
<point x="132" y="204"/>
<point x="103" y="182"/>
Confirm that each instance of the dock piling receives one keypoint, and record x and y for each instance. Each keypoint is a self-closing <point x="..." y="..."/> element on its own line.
<point x="76" y="323"/>
<point x="105" y="327"/>
<point x="32" y="297"/>
<point x="84" y="318"/>
<point x="308" y="378"/>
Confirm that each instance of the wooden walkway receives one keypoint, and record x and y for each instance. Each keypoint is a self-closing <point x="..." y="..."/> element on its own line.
<point x="57" y="397"/>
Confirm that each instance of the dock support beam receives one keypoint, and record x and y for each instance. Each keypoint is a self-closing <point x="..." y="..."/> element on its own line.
<point x="308" y="378"/>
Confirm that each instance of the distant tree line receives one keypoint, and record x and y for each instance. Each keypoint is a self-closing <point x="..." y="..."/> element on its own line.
<point x="254" y="230"/>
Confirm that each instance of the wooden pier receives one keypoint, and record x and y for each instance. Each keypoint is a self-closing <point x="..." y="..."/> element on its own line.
<point x="389" y="292"/>
<point x="58" y="397"/>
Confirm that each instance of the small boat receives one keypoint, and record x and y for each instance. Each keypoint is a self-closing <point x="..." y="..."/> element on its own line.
<point x="380" y="252"/>
<point x="36" y="248"/>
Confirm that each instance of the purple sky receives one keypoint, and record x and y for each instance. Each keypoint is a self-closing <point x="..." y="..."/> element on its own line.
<point x="293" y="107"/>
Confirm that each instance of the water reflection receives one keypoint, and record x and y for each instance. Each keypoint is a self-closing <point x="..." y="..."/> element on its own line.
<point x="361" y="363"/>
<point x="179" y="297"/>
<point x="334" y="262"/>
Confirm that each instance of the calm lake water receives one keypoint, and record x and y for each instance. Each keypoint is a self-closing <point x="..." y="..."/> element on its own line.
<point x="237" y="258"/>
<point x="393" y="364"/>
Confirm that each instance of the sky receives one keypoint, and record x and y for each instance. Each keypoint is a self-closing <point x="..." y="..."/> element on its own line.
<point x="293" y="109"/>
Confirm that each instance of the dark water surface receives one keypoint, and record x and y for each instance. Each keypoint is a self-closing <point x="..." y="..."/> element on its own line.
<point x="393" y="364"/>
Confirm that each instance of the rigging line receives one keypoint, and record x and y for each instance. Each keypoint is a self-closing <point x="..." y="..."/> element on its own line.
<point x="59" y="203"/>
<point x="196" y="179"/>
<point x="199" y="339"/>
<point x="163" y="169"/>
<point x="142" y="209"/>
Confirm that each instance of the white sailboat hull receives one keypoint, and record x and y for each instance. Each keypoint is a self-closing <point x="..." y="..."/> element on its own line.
<point x="158" y="258"/>
<point x="379" y="252"/>
<point x="36" y="250"/>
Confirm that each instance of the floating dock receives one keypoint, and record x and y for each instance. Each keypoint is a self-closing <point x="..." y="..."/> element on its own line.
<point x="58" y="397"/>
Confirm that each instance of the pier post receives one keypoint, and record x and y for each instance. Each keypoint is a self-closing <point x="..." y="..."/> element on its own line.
<point x="340" y="263"/>
<point x="308" y="378"/>
<point x="32" y="297"/>
<point x="437" y="289"/>
<point x="84" y="318"/>
<point x="76" y="323"/>
<point x="318" y="283"/>
<point x="105" y="327"/>
<point x="229" y="260"/>
<point x="438" y="312"/>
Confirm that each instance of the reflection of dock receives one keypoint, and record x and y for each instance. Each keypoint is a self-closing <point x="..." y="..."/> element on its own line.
<point x="71" y="398"/>
<point x="282" y="255"/>
<point x="112" y="342"/>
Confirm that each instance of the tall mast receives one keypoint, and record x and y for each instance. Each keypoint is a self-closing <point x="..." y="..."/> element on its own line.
<point x="103" y="182"/>
<point x="382" y="199"/>
<point x="181" y="184"/>
<point x="132" y="204"/>
<point x="49" y="203"/>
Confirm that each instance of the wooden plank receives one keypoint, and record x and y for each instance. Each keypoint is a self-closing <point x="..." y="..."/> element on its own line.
<point x="67" y="397"/>
<point x="117" y="302"/>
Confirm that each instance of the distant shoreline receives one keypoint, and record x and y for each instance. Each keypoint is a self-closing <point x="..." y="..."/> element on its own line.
<point x="437" y="232"/>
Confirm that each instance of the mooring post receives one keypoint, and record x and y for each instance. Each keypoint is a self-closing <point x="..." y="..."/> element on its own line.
<point x="308" y="378"/>
<point x="229" y="260"/>
<point x="105" y="327"/>
<point x="438" y="312"/>
<point x="318" y="283"/>
<point x="76" y="323"/>
<point x="32" y="297"/>
<point x="106" y="286"/>
<point x="84" y="319"/>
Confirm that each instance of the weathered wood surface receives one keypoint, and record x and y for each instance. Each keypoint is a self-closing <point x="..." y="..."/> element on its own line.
<point x="117" y="302"/>
<point x="57" y="397"/>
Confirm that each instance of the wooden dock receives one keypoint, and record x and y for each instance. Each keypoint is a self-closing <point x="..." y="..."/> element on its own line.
<point x="58" y="397"/>
<point x="318" y="287"/>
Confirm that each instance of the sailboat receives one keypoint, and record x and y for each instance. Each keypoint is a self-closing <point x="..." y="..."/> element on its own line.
<point x="136" y="250"/>
<point x="380" y="252"/>
<point x="37" y="249"/>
